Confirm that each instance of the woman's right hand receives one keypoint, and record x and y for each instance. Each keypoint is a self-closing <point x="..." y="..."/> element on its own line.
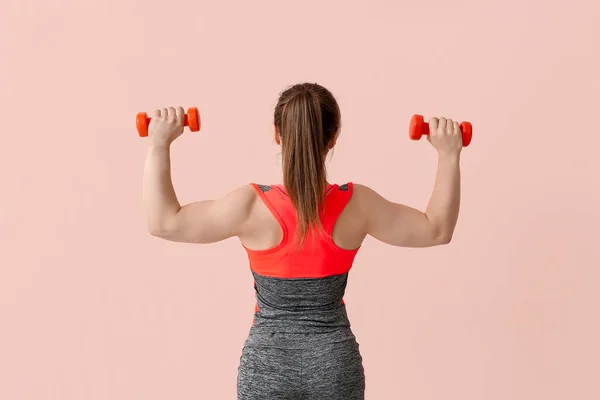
<point x="445" y="135"/>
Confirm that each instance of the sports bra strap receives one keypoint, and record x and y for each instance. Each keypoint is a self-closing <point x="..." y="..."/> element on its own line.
<point x="279" y="203"/>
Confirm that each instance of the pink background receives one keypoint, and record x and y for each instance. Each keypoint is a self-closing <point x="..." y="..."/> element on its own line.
<point x="92" y="307"/>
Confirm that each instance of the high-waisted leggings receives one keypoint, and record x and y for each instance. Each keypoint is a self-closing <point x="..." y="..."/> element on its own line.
<point x="276" y="366"/>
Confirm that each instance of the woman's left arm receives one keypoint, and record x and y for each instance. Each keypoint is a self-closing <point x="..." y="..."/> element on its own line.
<point x="205" y="221"/>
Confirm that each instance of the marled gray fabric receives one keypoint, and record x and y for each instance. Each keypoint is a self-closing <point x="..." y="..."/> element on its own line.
<point x="301" y="367"/>
<point x="300" y="305"/>
<point x="301" y="345"/>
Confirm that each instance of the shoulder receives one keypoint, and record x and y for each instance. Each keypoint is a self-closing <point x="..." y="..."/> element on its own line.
<point x="365" y="191"/>
<point x="243" y="192"/>
<point x="361" y="192"/>
<point x="357" y="196"/>
<point x="241" y="197"/>
<point x="365" y="198"/>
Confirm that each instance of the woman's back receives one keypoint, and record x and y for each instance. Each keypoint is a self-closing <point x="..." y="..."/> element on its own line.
<point x="299" y="289"/>
<point x="265" y="231"/>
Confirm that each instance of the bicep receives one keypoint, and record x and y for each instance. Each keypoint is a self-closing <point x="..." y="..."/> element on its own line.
<point x="397" y="224"/>
<point x="210" y="221"/>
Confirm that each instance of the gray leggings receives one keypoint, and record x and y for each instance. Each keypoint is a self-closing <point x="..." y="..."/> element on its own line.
<point x="317" y="371"/>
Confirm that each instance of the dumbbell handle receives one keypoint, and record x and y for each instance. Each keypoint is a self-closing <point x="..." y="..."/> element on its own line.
<point x="419" y="127"/>
<point x="191" y="119"/>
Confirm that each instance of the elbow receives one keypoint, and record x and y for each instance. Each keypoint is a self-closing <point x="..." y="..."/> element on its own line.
<point x="158" y="231"/>
<point x="445" y="238"/>
<point x="440" y="231"/>
<point x="164" y="228"/>
<point x="154" y="231"/>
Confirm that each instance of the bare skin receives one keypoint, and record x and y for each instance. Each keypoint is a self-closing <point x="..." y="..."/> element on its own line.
<point x="242" y="214"/>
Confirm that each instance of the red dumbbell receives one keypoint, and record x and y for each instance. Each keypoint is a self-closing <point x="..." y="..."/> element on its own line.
<point x="192" y="119"/>
<point x="418" y="127"/>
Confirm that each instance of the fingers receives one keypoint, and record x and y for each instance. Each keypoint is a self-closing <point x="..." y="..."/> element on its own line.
<point x="449" y="127"/>
<point x="433" y="124"/>
<point x="444" y="126"/>
<point x="445" y="135"/>
<point x="169" y="113"/>
<point x="180" y="114"/>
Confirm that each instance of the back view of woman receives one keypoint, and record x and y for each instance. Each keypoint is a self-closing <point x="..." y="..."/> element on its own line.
<point x="301" y="238"/>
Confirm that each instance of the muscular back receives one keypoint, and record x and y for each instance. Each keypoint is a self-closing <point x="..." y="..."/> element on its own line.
<point x="264" y="232"/>
<point x="241" y="213"/>
<point x="367" y="213"/>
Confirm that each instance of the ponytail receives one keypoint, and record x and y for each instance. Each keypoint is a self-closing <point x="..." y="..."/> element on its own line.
<point x="308" y="118"/>
<point x="304" y="160"/>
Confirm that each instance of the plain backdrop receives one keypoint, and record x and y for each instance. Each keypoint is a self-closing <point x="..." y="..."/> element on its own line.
<point x="92" y="307"/>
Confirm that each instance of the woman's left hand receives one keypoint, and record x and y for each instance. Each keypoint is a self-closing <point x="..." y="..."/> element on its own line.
<point x="166" y="125"/>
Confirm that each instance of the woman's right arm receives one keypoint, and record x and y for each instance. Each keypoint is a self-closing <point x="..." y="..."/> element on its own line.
<point x="404" y="226"/>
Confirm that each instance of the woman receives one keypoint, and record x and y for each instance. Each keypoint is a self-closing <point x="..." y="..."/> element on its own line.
<point x="301" y="238"/>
